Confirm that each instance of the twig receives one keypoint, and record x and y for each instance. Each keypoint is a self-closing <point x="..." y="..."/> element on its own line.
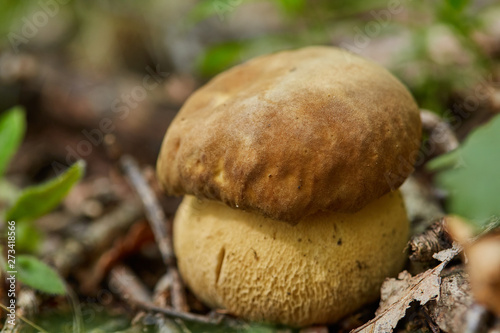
<point x="128" y="285"/>
<point x="153" y="211"/>
<point x="158" y="222"/>
<point x="162" y="295"/>
<point x="131" y="289"/>
<point x="179" y="301"/>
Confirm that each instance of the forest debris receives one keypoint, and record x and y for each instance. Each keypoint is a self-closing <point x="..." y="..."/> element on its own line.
<point x="87" y="195"/>
<point x="161" y="295"/>
<point x="421" y="205"/>
<point x="127" y="285"/>
<point x="27" y="306"/>
<point x="476" y="319"/>
<point x="449" y="310"/>
<point x="145" y="321"/>
<point x="170" y="287"/>
<point x="159" y="225"/>
<point x="179" y="301"/>
<point x="153" y="211"/>
<point x="433" y="240"/>
<point x="356" y="319"/>
<point x="138" y="235"/>
<point x="495" y="328"/>
<point x="397" y="294"/>
<point x="97" y="237"/>
<point x="440" y="132"/>
<point x="314" y="329"/>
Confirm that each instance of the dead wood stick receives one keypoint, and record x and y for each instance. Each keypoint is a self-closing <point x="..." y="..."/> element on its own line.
<point x="158" y="222"/>
<point x="127" y="285"/>
<point x="153" y="211"/>
<point x="124" y="282"/>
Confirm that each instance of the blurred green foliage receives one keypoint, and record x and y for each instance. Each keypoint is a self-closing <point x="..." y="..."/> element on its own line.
<point x="105" y="322"/>
<point x="36" y="274"/>
<point x="469" y="174"/>
<point x="12" y="128"/>
<point x="318" y="22"/>
<point x="36" y="201"/>
<point x="470" y="178"/>
<point x="304" y="22"/>
<point x="27" y="205"/>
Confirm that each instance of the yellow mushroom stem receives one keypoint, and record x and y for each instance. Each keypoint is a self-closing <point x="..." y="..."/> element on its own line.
<point x="317" y="271"/>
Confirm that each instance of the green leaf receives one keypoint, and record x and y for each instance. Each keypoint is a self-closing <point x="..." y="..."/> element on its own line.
<point x="446" y="161"/>
<point x="12" y="127"/>
<point x="28" y="237"/>
<point x="38" y="200"/>
<point x="220" y="57"/>
<point x="458" y="5"/>
<point x="292" y="6"/>
<point x="36" y="274"/>
<point x="471" y="175"/>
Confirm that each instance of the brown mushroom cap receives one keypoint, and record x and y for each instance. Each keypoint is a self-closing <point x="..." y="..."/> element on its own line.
<point x="293" y="133"/>
<point x="315" y="272"/>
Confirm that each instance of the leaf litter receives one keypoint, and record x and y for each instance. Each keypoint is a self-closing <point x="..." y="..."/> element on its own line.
<point x="398" y="293"/>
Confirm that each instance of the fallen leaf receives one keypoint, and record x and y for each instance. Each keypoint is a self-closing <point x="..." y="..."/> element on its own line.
<point x="397" y="294"/>
<point x="450" y="311"/>
<point x="448" y="254"/>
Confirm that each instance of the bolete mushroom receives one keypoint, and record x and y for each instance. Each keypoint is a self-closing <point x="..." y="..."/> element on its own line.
<point x="290" y="164"/>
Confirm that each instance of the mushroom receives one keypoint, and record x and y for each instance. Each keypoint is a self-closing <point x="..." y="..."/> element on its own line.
<point x="290" y="165"/>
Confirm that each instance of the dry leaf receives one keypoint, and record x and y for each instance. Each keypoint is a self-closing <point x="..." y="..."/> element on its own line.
<point x="397" y="294"/>
<point x="448" y="254"/>
<point x="450" y="311"/>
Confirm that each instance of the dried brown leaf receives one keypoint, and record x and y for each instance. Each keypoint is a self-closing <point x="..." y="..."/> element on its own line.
<point x="397" y="295"/>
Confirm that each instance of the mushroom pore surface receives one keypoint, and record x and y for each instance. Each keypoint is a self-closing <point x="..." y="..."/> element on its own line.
<point x="317" y="271"/>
